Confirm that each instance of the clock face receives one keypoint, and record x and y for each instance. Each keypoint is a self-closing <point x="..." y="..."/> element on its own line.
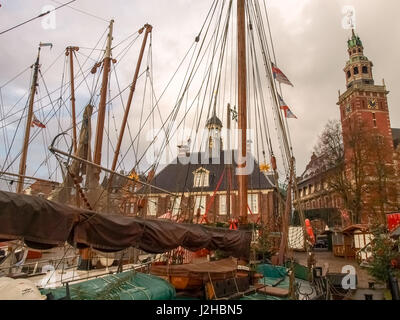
<point x="372" y="104"/>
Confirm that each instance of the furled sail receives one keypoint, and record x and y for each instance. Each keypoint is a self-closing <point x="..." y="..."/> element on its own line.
<point x="44" y="224"/>
<point x="63" y="193"/>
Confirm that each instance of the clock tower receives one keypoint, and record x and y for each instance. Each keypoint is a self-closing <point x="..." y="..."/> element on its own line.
<point x="364" y="101"/>
<point x="364" y="105"/>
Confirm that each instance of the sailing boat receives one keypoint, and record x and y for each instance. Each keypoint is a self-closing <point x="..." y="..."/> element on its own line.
<point x="67" y="219"/>
<point x="81" y="155"/>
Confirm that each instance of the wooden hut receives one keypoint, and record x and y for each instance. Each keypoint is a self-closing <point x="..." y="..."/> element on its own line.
<point x="352" y="241"/>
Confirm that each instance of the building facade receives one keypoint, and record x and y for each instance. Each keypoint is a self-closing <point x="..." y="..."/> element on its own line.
<point x="362" y="102"/>
<point x="198" y="185"/>
<point x="313" y="188"/>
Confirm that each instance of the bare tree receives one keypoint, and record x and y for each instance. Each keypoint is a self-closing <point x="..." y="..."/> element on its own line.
<point x="362" y="174"/>
<point x="382" y="182"/>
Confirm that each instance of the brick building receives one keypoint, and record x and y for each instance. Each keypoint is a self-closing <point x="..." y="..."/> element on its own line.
<point x="313" y="189"/>
<point x="201" y="186"/>
<point x="41" y="188"/>
<point x="365" y="103"/>
<point x="362" y="102"/>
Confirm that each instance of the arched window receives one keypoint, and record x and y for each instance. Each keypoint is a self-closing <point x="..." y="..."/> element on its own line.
<point x="355" y="70"/>
<point x="348" y="74"/>
<point x="359" y="50"/>
<point x="365" y="69"/>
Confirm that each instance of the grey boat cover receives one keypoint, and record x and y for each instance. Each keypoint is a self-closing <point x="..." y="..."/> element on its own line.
<point x="44" y="224"/>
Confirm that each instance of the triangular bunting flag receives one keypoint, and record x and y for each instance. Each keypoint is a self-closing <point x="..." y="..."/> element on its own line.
<point x="280" y="76"/>
<point x="288" y="113"/>
<point x="37" y="123"/>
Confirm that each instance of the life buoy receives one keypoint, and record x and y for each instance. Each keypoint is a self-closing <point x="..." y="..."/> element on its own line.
<point x="310" y="231"/>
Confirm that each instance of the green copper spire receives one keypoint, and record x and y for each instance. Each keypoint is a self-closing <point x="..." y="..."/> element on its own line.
<point x="355" y="41"/>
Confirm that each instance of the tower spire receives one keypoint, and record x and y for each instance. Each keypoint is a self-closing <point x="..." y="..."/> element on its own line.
<point x="358" y="68"/>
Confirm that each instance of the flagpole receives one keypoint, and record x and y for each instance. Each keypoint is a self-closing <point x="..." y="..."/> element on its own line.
<point x="22" y="164"/>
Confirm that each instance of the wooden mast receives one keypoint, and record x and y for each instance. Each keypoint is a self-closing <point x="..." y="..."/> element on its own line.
<point x="148" y="28"/>
<point x="242" y="116"/>
<point x="286" y="216"/>
<point x="103" y="100"/>
<point x="85" y="263"/>
<point x="22" y="164"/>
<point x="70" y="51"/>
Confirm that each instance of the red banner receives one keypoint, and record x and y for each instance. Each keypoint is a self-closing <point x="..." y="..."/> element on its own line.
<point x="393" y="221"/>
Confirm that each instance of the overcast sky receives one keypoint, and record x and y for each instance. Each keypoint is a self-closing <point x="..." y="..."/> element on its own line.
<point x="310" y="43"/>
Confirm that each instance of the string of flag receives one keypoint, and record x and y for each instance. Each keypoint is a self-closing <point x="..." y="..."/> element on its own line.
<point x="282" y="78"/>
<point x="288" y="113"/>
<point x="37" y="123"/>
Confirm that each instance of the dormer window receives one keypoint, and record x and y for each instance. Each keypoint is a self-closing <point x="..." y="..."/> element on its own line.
<point x="201" y="178"/>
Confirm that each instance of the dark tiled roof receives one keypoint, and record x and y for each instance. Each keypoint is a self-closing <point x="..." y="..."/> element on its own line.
<point x="396" y="136"/>
<point x="316" y="166"/>
<point x="117" y="182"/>
<point x="178" y="177"/>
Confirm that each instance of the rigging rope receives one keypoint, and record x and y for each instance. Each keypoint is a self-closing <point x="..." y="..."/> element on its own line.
<point x="84" y="12"/>
<point x="37" y="17"/>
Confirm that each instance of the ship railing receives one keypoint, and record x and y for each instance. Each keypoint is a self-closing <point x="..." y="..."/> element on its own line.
<point x="140" y="267"/>
<point x="31" y="268"/>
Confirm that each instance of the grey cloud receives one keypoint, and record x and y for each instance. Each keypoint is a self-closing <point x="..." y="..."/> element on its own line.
<point x="309" y="41"/>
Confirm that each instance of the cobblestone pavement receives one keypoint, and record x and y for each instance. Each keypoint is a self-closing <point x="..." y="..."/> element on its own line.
<point x="336" y="264"/>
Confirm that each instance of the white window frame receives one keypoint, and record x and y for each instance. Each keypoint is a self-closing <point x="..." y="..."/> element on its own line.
<point x="175" y="205"/>
<point x="200" y="201"/>
<point x="254" y="207"/>
<point x="131" y="207"/>
<point x="201" y="178"/>
<point x="222" y="205"/>
<point x="152" y="206"/>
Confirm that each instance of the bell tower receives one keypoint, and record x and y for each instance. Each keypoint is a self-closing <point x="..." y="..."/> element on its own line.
<point x="363" y="101"/>
<point x="358" y="69"/>
<point x="364" y="105"/>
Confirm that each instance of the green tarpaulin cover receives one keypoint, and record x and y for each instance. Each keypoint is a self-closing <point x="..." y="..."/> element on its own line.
<point x="270" y="271"/>
<point x="122" y="286"/>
